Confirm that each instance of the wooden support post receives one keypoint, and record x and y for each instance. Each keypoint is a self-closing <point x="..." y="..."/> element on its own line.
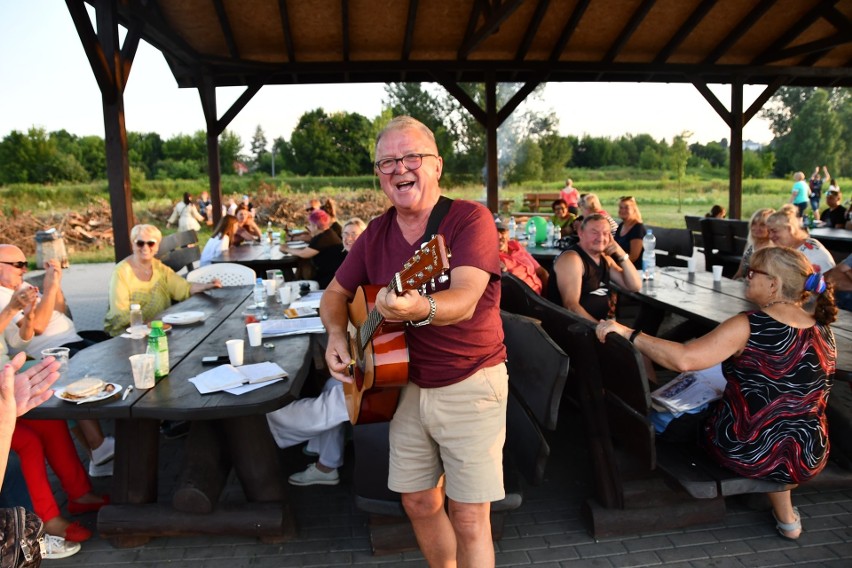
<point x="205" y="469"/>
<point x="735" y="174"/>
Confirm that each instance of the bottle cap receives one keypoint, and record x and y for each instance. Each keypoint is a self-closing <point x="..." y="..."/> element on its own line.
<point x="156" y="324"/>
<point x="135" y="307"/>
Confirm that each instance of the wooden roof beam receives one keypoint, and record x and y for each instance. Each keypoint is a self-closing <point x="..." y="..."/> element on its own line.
<point x="410" y="21"/>
<point x="714" y="102"/>
<point x="770" y="53"/>
<point x="285" y="28"/>
<point x="569" y="28"/>
<point x="815" y="47"/>
<point x="516" y="100"/>
<point x="767" y="93"/>
<point x="92" y="47"/>
<point x="695" y="18"/>
<point x="532" y="29"/>
<point x="462" y="97"/>
<point x="344" y="17"/>
<point x="131" y="44"/>
<point x="739" y="31"/>
<point x="227" y="32"/>
<point x="629" y="30"/>
<point x="497" y="16"/>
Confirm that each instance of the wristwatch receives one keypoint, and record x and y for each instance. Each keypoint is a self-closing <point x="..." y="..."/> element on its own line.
<point x="623" y="258"/>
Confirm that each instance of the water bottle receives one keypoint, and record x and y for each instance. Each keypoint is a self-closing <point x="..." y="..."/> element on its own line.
<point x="531" y="233"/>
<point x="269" y="232"/>
<point x="649" y="260"/>
<point x="136" y="318"/>
<point x="550" y="230"/>
<point x="259" y="294"/>
<point x="513" y="227"/>
<point x="158" y="345"/>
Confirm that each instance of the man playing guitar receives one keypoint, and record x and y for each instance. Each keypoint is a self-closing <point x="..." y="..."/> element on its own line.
<point x="451" y="418"/>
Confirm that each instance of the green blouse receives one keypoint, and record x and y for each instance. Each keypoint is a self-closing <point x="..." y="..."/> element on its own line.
<point x="154" y="295"/>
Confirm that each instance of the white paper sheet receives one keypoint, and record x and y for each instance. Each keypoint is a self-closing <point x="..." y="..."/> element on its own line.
<point x="282" y="327"/>
<point x="691" y="390"/>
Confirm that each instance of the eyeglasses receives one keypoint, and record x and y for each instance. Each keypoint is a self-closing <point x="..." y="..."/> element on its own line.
<point x="21" y="264"/>
<point x="752" y="271"/>
<point x="150" y="244"/>
<point x="410" y="161"/>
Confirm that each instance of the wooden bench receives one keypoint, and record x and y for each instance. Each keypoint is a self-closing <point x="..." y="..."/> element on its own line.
<point x="535" y="201"/>
<point x="537" y="371"/>
<point x="673" y="247"/>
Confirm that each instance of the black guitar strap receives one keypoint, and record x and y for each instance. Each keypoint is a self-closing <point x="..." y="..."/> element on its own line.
<point x="438" y="213"/>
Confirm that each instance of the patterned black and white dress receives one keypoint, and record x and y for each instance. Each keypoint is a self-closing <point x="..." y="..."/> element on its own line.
<point x="771" y="423"/>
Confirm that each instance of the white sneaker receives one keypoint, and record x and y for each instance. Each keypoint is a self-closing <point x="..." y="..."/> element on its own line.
<point x="313" y="476"/>
<point x="103" y="470"/>
<point x="105" y="452"/>
<point x="54" y="547"/>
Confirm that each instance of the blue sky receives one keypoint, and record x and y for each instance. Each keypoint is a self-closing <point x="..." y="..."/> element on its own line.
<point x="47" y="82"/>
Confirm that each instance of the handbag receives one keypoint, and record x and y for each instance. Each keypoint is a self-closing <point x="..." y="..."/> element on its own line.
<point x="21" y="533"/>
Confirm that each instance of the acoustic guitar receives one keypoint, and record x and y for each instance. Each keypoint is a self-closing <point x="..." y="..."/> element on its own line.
<point x="377" y="347"/>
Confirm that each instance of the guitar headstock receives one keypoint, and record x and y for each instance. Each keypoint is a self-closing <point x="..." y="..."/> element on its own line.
<point x="427" y="264"/>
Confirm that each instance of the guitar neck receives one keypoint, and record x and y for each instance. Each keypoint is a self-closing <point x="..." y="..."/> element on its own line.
<point x="372" y="323"/>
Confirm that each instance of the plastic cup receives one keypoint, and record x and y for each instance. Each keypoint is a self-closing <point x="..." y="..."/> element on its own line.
<point x="255" y="334"/>
<point x="270" y="286"/>
<point x="690" y="265"/>
<point x="142" y="366"/>
<point x="235" y="351"/>
<point x="61" y="354"/>
<point x="284" y="294"/>
<point x="717" y="272"/>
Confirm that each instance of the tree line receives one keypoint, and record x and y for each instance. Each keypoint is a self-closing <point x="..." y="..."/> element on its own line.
<point x="811" y="126"/>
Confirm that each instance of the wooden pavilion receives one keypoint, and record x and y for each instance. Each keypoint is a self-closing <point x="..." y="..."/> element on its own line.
<point x="252" y="43"/>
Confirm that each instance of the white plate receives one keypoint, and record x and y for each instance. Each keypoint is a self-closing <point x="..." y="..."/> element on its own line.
<point x="296" y="244"/>
<point x="104" y="394"/>
<point x="146" y="329"/>
<point x="183" y="318"/>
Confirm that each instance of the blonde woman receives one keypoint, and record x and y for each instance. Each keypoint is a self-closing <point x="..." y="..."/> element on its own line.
<point x="801" y="192"/>
<point x="591" y="205"/>
<point x="785" y="230"/>
<point x="631" y="230"/>
<point x="758" y="238"/>
<point x="778" y="361"/>
<point x="142" y="279"/>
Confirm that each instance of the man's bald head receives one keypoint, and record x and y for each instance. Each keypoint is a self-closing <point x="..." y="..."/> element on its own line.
<point x="11" y="276"/>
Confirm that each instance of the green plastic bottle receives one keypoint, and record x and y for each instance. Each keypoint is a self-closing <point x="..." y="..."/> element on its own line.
<point x="158" y="344"/>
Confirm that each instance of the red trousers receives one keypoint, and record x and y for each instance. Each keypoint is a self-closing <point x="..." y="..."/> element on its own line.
<point x="38" y="440"/>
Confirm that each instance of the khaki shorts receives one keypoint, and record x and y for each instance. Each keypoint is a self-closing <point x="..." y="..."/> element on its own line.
<point x="459" y="431"/>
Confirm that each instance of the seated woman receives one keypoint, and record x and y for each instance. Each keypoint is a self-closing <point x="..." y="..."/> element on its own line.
<point x="223" y="237"/>
<point x="247" y="229"/>
<point x="142" y="279"/>
<point x="785" y="230"/>
<point x="186" y="215"/>
<point x="325" y="250"/>
<point x="758" y="238"/>
<point x="778" y="361"/>
<point x="717" y="212"/>
<point x="590" y="204"/>
<point x="631" y="230"/>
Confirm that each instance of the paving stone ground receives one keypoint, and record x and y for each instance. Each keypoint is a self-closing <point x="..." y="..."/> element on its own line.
<point x="547" y="530"/>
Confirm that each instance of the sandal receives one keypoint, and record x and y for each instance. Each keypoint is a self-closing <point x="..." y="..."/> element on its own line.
<point x="789" y="527"/>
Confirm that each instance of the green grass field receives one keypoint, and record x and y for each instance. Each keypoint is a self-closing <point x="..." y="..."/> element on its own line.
<point x="661" y="200"/>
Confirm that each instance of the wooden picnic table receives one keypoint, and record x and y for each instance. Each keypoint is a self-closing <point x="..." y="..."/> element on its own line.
<point x="227" y="430"/>
<point x="838" y="241"/>
<point x="697" y="296"/>
<point x="261" y="257"/>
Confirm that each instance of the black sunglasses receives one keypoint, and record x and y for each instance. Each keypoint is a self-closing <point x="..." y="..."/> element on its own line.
<point x="752" y="271"/>
<point x="16" y="264"/>
<point x="141" y="244"/>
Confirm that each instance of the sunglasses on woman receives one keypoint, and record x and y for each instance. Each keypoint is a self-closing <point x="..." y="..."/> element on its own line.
<point x="150" y="244"/>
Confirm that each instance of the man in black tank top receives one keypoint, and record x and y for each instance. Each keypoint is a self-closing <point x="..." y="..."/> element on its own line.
<point x="582" y="274"/>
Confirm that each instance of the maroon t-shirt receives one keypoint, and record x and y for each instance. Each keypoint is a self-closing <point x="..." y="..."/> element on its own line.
<point x="447" y="354"/>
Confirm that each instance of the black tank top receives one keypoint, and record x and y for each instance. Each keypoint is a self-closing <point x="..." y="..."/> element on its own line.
<point x="596" y="295"/>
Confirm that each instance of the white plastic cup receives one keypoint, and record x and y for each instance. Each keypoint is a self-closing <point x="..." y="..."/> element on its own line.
<point x="270" y="288"/>
<point x="717" y="272"/>
<point x="255" y="334"/>
<point x="235" y="351"/>
<point x="142" y="366"/>
<point x="284" y="294"/>
<point x="61" y="354"/>
<point x="690" y="265"/>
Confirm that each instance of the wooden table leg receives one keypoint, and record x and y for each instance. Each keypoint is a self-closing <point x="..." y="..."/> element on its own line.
<point x="205" y="469"/>
<point x="134" y="479"/>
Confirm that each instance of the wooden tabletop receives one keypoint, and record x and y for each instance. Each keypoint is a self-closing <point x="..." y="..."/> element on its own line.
<point x="833" y="239"/>
<point x="697" y="297"/>
<point x="174" y="397"/>
<point x="255" y="252"/>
